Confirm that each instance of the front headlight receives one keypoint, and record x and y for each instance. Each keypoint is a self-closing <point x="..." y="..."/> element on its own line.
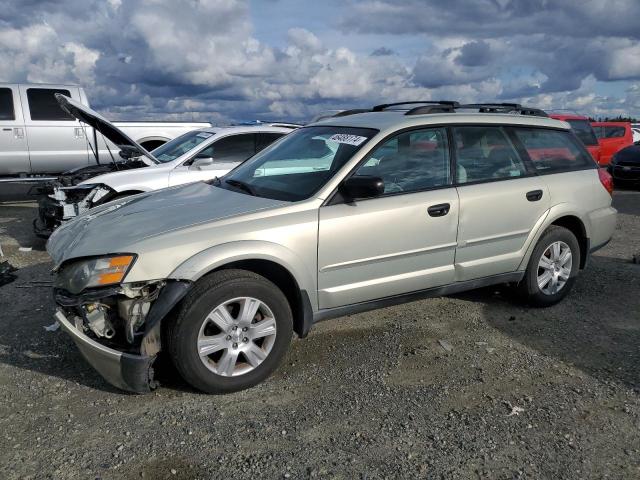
<point x="95" y="272"/>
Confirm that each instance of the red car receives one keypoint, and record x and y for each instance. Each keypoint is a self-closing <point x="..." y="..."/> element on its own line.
<point x="584" y="131"/>
<point x="613" y="137"/>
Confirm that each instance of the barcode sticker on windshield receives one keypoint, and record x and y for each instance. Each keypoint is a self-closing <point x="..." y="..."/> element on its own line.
<point x="348" y="139"/>
<point x="204" y="134"/>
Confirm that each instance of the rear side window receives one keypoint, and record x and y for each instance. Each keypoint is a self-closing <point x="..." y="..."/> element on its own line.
<point x="44" y="106"/>
<point x="410" y="162"/>
<point x="263" y="140"/>
<point x="485" y="154"/>
<point x="6" y="104"/>
<point x="614" y="132"/>
<point x="552" y="150"/>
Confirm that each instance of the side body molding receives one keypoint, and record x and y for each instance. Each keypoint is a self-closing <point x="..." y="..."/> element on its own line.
<point x="204" y="262"/>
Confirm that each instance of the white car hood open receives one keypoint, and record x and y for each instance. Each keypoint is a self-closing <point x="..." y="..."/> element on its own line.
<point x="102" y="125"/>
<point x="117" y="226"/>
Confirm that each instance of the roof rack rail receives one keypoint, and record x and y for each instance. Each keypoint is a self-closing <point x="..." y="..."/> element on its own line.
<point x="384" y="106"/>
<point x="353" y="111"/>
<point x="505" y="108"/>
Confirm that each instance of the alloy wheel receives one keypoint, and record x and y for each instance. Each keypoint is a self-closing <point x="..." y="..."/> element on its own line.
<point x="236" y="336"/>
<point x="554" y="268"/>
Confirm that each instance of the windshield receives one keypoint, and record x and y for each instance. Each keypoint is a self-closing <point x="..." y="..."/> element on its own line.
<point x="298" y="165"/>
<point x="583" y="130"/>
<point x="180" y="145"/>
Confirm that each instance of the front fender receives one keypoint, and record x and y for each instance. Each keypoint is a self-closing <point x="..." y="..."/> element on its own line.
<point x="215" y="257"/>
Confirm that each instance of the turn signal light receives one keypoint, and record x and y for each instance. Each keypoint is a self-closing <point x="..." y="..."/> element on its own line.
<point x="115" y="271"/>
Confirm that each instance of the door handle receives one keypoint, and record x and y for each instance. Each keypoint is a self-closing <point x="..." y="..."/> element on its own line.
<point x="439" y="210"/>
<point x="534" y="195"/>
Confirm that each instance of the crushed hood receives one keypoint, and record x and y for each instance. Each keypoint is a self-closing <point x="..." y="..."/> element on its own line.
<point x="117" y="226"/>
<point x="101" y="125"/>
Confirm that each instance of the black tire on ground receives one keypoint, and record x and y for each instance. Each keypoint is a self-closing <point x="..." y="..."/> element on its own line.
<point x="528" y="288"/>
<point x="207" y="294"/>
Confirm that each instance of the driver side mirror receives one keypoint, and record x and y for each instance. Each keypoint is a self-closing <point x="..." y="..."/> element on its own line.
<point x="201" y="162"/>
<point x="361" y="187"/>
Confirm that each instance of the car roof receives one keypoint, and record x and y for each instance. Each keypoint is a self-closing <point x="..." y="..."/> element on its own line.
<point x="248" y="129"/>
<point x="391" y="119"/>
<point x="568" y="116"/>
<point x="612" y="124"/>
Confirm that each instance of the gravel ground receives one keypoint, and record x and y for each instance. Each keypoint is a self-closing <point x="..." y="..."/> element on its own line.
<point x="471" y="386"/>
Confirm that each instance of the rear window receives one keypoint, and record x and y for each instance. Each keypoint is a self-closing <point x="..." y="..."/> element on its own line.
<point x="584" y="131"/>
<point x="553" y="150"/>
<point x="6" y="104"/>
<point x="44" y="106"/>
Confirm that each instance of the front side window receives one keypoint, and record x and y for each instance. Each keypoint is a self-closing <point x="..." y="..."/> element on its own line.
<point x="231" y="149"/>
<point x="180" y="145"/>
<point x="44" y="106"/>
<point x="6" y="104"/>
<point x="485" y="154"/>
<point x="410" y="162"/>
<point x="298" y="165"/>
<point x="584" y="131"/>
<point x="552" y="150"/>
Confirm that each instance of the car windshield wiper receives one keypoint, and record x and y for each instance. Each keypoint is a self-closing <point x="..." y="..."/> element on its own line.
<point x="241" y="185"/>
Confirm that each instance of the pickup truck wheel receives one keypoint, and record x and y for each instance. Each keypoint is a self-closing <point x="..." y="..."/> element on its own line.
<point x="552" y="269"/>
<point x="232" y="331"/>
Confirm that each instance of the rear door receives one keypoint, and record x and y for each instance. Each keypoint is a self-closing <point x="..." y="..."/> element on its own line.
<point x="56" y="140"/>
<point x="400" y="242"/>
<point x="14" y="150"/>
<point x="501" y="201"/>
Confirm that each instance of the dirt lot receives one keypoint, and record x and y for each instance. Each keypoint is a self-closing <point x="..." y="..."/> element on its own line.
<point x="523" y="393"/>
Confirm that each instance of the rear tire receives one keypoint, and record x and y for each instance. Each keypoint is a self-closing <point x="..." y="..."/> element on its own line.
<point x="552" y="268"/>
<point x="232" y="331"/>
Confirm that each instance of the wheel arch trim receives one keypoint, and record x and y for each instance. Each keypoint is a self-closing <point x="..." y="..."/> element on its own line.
<point x="216" y="257"/>
<point x="554" y="214"/>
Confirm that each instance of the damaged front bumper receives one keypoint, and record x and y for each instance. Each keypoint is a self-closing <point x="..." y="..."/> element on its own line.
<point x="125" y="371"/>
<point x="59" y="203"/>
<point x="121" y="352"/>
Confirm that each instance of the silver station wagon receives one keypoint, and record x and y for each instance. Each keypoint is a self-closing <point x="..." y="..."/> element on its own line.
<point x="356" y="212"/>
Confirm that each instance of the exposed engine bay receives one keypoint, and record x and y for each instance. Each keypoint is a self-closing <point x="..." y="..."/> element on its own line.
<point x="115" y="316"/>
<point x="65" y="197"/>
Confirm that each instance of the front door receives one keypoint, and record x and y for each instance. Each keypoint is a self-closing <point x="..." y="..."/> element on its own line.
<point x="501" y="200"/>
<point x="56" y="140"/>
<point x="14" y="150"/>
<point x="400" y="242"/>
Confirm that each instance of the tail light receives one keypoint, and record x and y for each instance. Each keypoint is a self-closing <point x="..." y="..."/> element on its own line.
<point x="606" y="180"/>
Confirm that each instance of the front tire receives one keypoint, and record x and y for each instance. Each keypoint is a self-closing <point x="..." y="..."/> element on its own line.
<point x="552" y="268"/>
<point x="232" y="331"/>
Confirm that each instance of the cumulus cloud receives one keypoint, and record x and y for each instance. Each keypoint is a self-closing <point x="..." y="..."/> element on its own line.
<point x="202" y="59"/>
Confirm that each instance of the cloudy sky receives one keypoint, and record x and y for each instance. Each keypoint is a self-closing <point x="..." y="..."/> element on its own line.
<point x="225" y="60"/>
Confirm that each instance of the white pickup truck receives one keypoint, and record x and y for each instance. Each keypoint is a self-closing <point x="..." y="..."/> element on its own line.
<point x="38" y="138"/>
